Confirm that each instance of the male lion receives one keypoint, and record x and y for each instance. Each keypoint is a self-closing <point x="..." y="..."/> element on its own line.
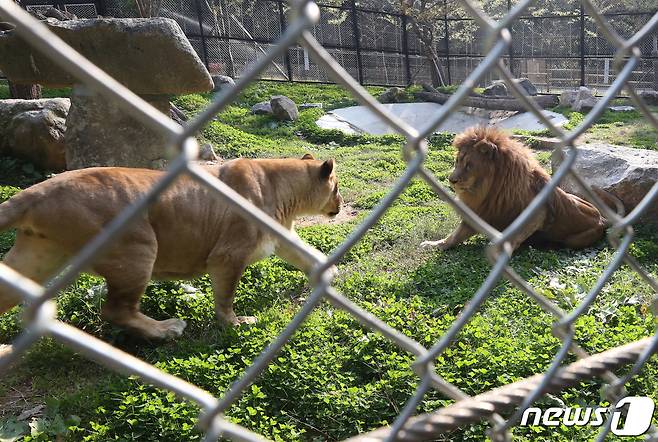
<point x="497" y="177"/>
<point x="188" y="231"/>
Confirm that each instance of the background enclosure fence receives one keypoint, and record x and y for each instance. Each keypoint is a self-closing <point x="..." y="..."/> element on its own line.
<point x="556" y="44"/>
<point x="40" y="319"/>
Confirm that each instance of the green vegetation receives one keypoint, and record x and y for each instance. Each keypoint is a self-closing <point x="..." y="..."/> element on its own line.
<point x="335" y="378"/>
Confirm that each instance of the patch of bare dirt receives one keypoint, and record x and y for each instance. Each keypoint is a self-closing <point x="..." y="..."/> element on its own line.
<point x="347" y="213"/>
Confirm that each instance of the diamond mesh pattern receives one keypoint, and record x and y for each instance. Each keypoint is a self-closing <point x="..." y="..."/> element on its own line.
<point x="496" y="39"/>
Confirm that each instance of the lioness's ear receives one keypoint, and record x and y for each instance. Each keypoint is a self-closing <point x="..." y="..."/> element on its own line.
<point x="326" y="168"/>
<point x="486" y="147"/>
<point x="308" y="156"/>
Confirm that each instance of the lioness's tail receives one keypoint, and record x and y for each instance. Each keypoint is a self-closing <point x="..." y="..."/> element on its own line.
<point x="611" y="201"/>
<point x="12" y="210"/>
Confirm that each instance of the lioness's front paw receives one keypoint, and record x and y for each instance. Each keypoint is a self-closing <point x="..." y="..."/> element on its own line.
<point x="246" y="320"/>
<point x="172" y="328"/>
<point x="441" y="245"/>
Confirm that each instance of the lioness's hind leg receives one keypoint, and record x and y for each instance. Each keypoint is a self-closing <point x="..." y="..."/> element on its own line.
<point x="127" y="273"/>
<point x="34" y="257"/>
<point x="122" y="309"/>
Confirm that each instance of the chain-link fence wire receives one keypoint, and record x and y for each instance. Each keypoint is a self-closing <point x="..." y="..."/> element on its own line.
<point x="556" y="43"/>
<point x="39" y="313"/>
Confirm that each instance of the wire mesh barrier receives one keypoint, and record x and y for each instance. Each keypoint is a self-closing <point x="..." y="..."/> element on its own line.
<point x="40" y="317"/>
<point x="556" y="44"/>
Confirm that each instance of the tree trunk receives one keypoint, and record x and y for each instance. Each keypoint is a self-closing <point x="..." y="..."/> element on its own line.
<point x="436" y="73"/>
<point x="24" y="91"/>
<point x="508" y="104"/>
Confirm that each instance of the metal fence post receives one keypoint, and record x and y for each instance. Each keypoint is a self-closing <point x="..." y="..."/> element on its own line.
<point x="204" y="49"/>
<point x="447" y="39"/>
<point x="654" y="53"/>
<point x="282" y="23"/>
<point x="405" y="48"/>
<point x="357" y="40"/>
<point x="511" y="46"/>
<point x="582" y="45"/>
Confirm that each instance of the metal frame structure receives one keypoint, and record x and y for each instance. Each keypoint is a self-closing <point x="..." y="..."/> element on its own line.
<point x="39" y="314"/>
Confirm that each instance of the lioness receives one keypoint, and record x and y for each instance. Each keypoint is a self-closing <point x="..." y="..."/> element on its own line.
<point x="188" y="231"/>
<point x="497" y="177"/>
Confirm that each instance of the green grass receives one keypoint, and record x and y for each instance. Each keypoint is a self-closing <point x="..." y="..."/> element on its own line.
<point x="335" y="378"/>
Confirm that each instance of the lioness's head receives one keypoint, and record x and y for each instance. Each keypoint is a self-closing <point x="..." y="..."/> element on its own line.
<point x="327" y="194"/>
<point x="475" y="163"/>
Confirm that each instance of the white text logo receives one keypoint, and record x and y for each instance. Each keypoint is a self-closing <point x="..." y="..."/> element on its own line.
<point x="636" y="422"/>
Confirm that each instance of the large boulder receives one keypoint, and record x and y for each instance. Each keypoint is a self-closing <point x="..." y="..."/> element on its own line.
<point x="34" y="130"/>
<point x="152" y="57"/>
<point x="625" y="172"/>
<point x="582" y="100"/>
<point x="283" y="108"/>
<point x="148" y="55"/>
<point x="100" y="134"/>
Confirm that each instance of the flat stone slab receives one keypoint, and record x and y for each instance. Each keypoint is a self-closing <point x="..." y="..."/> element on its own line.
<point x="360" y="119"/>
<point x="148" y="55"/>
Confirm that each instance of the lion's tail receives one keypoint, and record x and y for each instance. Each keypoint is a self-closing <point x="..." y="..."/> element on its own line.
<point x="13" y="210"/>
<point x="611" y="201"/>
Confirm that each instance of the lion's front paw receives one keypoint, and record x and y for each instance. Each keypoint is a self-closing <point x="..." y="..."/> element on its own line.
<point x="441" y="245"/>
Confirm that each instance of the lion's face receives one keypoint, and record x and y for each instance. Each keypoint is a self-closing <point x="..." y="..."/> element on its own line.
<point x="474" y="165"/>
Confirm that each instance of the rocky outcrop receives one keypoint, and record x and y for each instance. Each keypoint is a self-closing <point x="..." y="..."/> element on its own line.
<point x="152" y="57"/>
<point x="581" y="100"/>
<point x="34" y="130"/>
<point x="149" y="56"/>
<point x="625" y="172"/>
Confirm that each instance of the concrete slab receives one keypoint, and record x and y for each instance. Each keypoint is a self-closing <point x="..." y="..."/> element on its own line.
<point x="360" y="119"/>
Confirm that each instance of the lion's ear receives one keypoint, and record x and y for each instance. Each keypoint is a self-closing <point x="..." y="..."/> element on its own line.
<point x="308" y="156"/>
<point x="326" y="168"/>
<point x="486" y="147"/>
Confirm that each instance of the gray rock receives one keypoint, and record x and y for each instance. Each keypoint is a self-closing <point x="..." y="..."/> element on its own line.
<point x="526" y="85"/>
<point x="579" y="100"/>
<point x="625" y="172"/>
<point x="650" y="97"/>
<point x="262" y="108"/>
<point x="495" y="89"/>
<point x="567" y="98"/>
<point x="222" y="82"/>
<point x="283" y="108"/>
<point x="100" y="134"/>
<point x="392" y="95"/>
<point x="311" y="106"/>
<point x="34" y="130"/>
<point x="149" y="56"/>
<point x="206" y="153"/>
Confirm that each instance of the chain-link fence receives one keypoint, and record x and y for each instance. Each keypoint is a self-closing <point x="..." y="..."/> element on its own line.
<point x="40" y="312"/>
<point x="556" y="44"/>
